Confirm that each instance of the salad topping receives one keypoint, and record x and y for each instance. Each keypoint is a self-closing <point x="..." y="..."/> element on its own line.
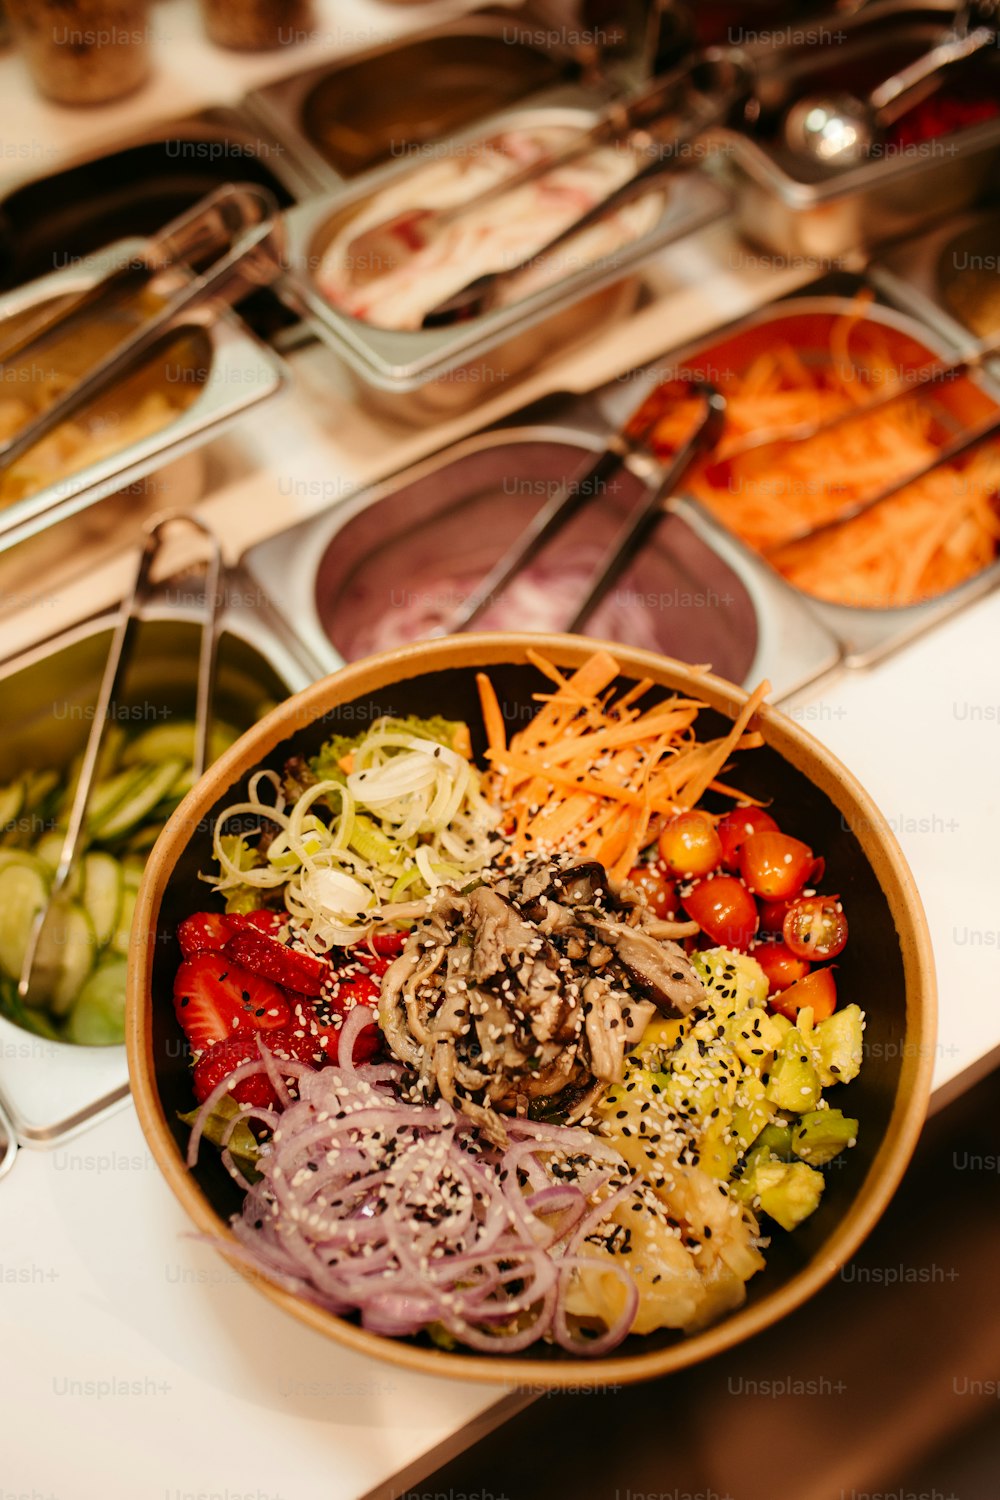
<point x="558" y="1095"/>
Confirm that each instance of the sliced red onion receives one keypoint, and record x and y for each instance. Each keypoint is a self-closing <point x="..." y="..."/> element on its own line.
<point x="405" y="1214"/>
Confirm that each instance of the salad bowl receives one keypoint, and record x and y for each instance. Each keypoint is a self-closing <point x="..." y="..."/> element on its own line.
<point x="887" y="970"/>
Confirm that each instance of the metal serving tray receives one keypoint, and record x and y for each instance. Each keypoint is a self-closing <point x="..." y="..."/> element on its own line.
<point x="864" y="635"/>
<point x="309" y="110"/>
<point x="133" y="185"/>
<point x="726" y="601"/>
<point x="883" y="200"/>
<point x="918" y="272"/>
<point x="234" y="372"/>
<point x="52" y="1090"/>
<point x="428" y="372"/>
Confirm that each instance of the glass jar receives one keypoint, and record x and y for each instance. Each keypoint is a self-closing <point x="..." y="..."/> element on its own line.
<point x="83" y="51"/>
<point x="257" y="25"/>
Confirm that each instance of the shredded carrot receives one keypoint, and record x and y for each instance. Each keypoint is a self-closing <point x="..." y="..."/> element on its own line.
<point x="496" y="735"/>
<point x="932" y="536"/>
<point x="594" y="773"/>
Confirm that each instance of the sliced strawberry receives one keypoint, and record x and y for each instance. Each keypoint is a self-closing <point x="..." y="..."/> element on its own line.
<point x="343" y="995"/>
<point x="274" y="960"/>
<point x="215" y="998"/>
<point x="224" y="1058"/>
<point x="210" y="931"/>
<point x="262" y="920"/>
<point x="385" y="943"/>
<point x="204" y="932"/>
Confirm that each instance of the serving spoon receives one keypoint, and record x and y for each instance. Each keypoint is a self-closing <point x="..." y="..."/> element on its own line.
<point x="840" y="131"/>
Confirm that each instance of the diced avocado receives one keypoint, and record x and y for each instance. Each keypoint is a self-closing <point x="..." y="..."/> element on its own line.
<point x="782" y="1023"/>
<point x="702" y="1077"/>
<point x="718" y="1149"/>
<point x="754" y="1036"/>
<point x="822" y="1134"/>
<point x="633" y="1110"/>
<point x="777" y="1139"/>
<point x="788" y="1193"/>
<point x="837" y="1044"/>
<point x="732" y="980"/>
<point x="751" y="1110"/>
<point x="794" y="1083"/>
<point x="658" y="1041"/>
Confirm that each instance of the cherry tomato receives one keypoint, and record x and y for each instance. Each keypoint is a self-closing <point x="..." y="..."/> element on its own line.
<point x="815" y="927"/>
<point x="818" y="989"/>
<point x="723" y="908"/>
<point x="772" y="918"/>
<point x="775" y="866"/>
<point x="737" y="826"/>
<point x="780" y="964"/>
<point x="660" y="893"/>
<point x="689" y="844"/>
<point x="818" y="871"/>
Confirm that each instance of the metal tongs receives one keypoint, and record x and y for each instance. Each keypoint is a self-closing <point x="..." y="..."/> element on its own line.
<point x="567" y="501"/>
<point x="238" y="223"/>
<point x="119" y="655"/>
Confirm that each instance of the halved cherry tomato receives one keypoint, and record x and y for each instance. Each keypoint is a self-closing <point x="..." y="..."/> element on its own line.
<point x="818" y="989"/>
<point x="815" y="927"/>
<point x="689" y="844"/>
<point x="736" y="827"/>
<point x="780" y="965"/>
<point x="660" y="893"/>
<point x="772" y="918"/>
<point x="775" y="866"/>
<point x="724" y="908"/>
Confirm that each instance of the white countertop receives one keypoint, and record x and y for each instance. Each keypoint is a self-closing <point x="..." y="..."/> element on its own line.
<point x="142" y="1366"/>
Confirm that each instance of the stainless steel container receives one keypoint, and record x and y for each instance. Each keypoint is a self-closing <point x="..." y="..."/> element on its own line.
<point x="775" y="203"/>
<point x="923" y="273"/>
<point x="694" y="592"/>
<point x="350" y="115"/>
<point x="430" y="373"/>
<point x="214" y="375"/>
<point x="865" y="635"/>
<point x="54" y="1089"/>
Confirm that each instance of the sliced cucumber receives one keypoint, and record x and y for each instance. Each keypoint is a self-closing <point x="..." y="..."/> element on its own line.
<point x="151" y="783"/>
<point x="12" y="800"/>
<point x="110" y="794"/>
<point x="138" y="844"/>
<point x="66" y="952"/>
<point x="23" y="892"/>
<point x="38" y="788"/>
<point x="165" y="741"/>
<point x="103" y="879"/>
<point x="14" y="1008"/>
<point x="26" y="857"/>
<point x="98" y="1017"/>
<point x="49" y="850"/>
<point x="133" y="869"/>
<point x="123" y="932"/>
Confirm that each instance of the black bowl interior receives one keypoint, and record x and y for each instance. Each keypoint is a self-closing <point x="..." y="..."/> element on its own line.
<point x="870" y="970"/>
